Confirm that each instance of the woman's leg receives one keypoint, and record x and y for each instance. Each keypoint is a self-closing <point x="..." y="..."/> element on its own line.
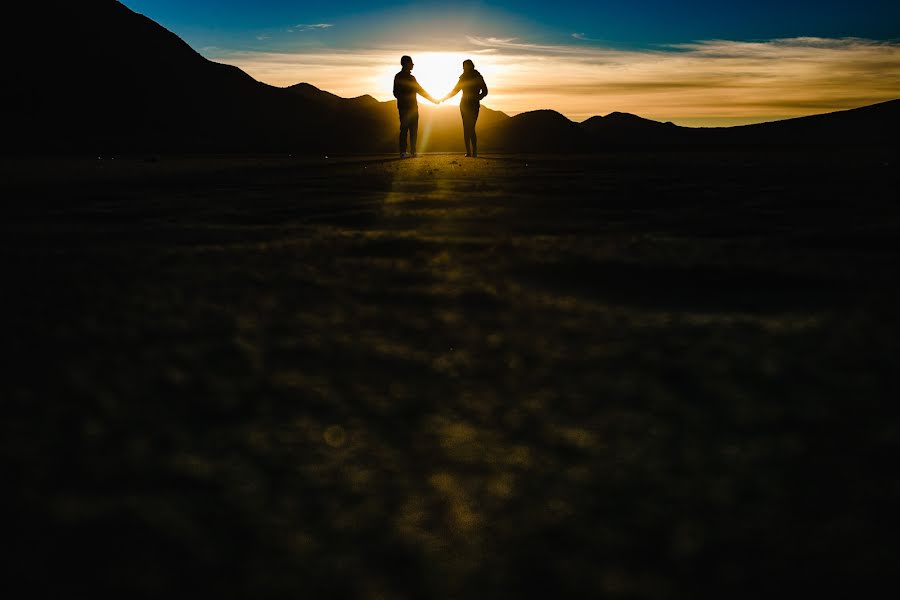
<point x="472" y="135"/>
<point x="469" y="117"/>
<point x="465" y="122"/>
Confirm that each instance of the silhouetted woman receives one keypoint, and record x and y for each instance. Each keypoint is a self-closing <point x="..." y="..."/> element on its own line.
<point x="474" y="89"/>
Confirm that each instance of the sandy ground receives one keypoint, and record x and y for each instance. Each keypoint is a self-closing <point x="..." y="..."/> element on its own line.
<point x="635" y="375"/>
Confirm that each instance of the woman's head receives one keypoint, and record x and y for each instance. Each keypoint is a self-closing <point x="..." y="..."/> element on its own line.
<point x="468" y="66"/>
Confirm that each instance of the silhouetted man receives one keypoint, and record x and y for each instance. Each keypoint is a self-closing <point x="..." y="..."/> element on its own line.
<point x="405" y="90"/>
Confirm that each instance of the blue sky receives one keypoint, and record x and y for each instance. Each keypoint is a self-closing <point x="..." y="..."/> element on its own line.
<point x="837" y="53"/>
<point x="636" y="22"/>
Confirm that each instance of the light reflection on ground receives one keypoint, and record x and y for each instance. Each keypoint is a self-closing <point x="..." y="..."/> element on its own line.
<point x="445" y="377"/>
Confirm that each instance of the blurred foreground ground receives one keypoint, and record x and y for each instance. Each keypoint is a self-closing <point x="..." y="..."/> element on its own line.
<point x="637" y="375"/>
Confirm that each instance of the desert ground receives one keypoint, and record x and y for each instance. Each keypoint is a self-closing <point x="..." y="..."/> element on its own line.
<point x="640" y="374"/>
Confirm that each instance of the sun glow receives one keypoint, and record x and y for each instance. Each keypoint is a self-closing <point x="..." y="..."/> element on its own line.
<point x="438" y="72"/>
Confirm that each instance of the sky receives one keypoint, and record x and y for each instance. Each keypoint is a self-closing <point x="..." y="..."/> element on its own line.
<point x="699" y="62"/>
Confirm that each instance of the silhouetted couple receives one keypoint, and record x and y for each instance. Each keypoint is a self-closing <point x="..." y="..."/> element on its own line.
<point x="406" y="88"/>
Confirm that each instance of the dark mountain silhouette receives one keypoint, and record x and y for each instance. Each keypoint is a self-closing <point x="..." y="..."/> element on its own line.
<point x="618" y="121"/>
<point x="98" y="77"/>
<point x="101" y="75"/>
<point x="551" y="132"/>
<point x="314" y="94"/>
<point x="625" y="128"/>
<point x="535" y="131"/>
<point x="875" y="124"/>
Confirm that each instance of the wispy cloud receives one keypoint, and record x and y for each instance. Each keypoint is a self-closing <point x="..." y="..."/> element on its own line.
<point x="703" y="82"/>
<point x="583" y="37"/>
<point x="310" y="27"/>
<point x="493" y="41"/>
<point x="516" y="45"/>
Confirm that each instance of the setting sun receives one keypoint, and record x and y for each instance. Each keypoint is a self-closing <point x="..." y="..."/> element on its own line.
<point x="438" y="72"/>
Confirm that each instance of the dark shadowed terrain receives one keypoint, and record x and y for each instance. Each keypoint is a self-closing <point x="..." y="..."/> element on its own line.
<point x="625" y="375"/>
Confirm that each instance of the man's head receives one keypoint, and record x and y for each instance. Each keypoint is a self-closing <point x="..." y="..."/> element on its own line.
<point x="468" y="66"/>
<point x="407" y="63"/>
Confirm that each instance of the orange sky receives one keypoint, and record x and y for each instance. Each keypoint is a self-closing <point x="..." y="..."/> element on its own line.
<point x="709" y="83"/>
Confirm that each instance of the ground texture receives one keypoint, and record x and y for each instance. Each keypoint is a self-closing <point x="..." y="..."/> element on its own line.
<point x="631" y="375"/>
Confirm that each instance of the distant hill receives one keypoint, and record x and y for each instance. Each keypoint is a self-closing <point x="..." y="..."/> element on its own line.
<point x="875" y="124"/>
<point x="98" y="77"/>
<point x="549" y="131"/>
<point x="625" y="128"/>
<point x="535" y="131"/>
<point x="623" y="122"/>
<point x="103" y="76"/>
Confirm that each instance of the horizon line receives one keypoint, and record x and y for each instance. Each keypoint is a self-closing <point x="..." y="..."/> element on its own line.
<point x="697" y="84"/>
<point x="602" y="116"/>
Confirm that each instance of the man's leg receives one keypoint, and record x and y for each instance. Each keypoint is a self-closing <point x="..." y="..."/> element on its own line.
<point x="404" y="128"/>
<point x="413" y="131"/>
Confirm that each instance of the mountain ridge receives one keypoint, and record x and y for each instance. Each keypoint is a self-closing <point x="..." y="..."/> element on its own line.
<point x="132" y="85"/>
